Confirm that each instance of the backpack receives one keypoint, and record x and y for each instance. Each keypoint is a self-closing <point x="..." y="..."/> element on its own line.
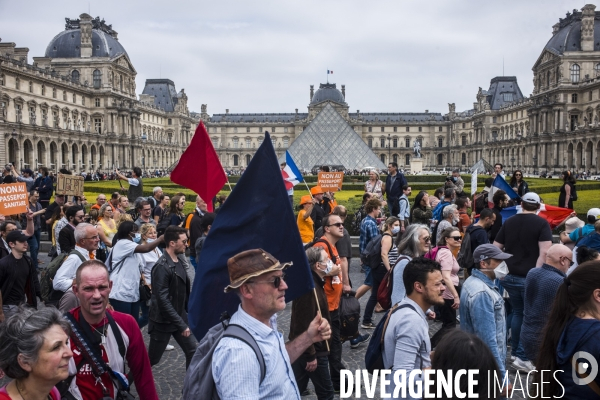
<point x="199" y="382"/>
<point x="432" y="253"/>
<point x="329" y="249"/>
<point x="481" y="202"/>
<point x="357" y="220"/>
<point x="371" y="255"/>
<point x="163" y="224"/>
<point x="386" y="287"/>
<point x="349" y="315"/>
<point x="374" y="353"/>
<point x="465" y="254"/>
<point x="49" y="273"/>
<point x="439" y="210"/>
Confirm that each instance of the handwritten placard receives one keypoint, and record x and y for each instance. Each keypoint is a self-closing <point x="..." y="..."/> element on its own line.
<point x="69" y="185"/>
<point x="13" y="198"/>
<point x="331" y="181"/>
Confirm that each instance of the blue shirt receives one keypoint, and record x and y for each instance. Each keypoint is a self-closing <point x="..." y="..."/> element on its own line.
<point x="541" y="286"/>
<point x="585" y="230"/>
<point x="404" y="208"/>
<point x="368" y="230"/>
<point x="236" y="370"/>
<point x="482" y="313"/>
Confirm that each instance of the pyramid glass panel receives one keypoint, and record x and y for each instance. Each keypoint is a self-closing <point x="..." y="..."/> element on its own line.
<point x="330" y="140"/>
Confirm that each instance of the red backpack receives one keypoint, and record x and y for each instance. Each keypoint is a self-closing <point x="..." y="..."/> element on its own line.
<point x="384" y="291"/>
<point x="432" y="253"/>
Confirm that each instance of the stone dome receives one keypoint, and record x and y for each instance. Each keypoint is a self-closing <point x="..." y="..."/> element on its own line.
<point x="67" y="43"/>
<point x="567" y="34"/>
<point x="328" y="91"/>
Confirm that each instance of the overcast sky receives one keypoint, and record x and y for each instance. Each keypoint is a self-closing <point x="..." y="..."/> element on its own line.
<point x="261" y="56"/>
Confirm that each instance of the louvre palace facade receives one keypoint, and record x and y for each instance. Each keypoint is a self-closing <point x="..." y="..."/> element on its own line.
<point x="76" y="107"/>
<point x="555" y="128"/>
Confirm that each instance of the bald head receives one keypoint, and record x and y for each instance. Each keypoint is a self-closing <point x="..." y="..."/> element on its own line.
<point x="559" y="256"/>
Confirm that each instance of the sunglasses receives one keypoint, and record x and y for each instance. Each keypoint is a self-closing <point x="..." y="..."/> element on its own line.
<point x="457" y="238"/>
<point x="427" y="239"/>
<point x="518" y="175"/>
<point x="276" y="282"/>
<point x="338" y="224"/>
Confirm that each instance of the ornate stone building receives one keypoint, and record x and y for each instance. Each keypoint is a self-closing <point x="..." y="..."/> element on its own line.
<point x="77" y="108"/>
<point x="555" y="128"/>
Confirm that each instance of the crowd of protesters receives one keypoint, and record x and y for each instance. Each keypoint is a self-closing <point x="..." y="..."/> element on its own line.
<point x="500" y="289"/>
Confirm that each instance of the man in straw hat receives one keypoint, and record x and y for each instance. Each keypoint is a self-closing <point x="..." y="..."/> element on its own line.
<point x="258" y="279"/>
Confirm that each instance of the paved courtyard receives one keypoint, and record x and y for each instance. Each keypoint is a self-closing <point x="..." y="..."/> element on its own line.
<point x="170" y="372"/>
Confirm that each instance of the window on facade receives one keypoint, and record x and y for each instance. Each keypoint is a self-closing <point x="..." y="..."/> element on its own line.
<point x="236" y="143"/>
<point x="97" y="102"/>
<point x="590" y="96"/>
<point x="17" y="83"/>
<point x="463" y="158"/>
<point x="75" y="76"/>
<point x="463" y="125"/>
<point x="420" y="129"/>
<point x="575" y="69"/>
<point x="2" y="79"/>
<point x="507" y="96"/>
<point x="285" y="130"/>
<point x="236" y="160"/>
<point x="55" y="120"/>
<point x="248" y="143"/>
<point x="248" y="158"/>
<point x="53" y="93"/>
<point x="274" y="128"/>
<point x="440" y="142"/>
<point x="286" y="142"/>
<point x="494" y="120"/>
<point x="31" y="113"/>
<point x="97" y="77"/>
<point x="170" y="122"/>
<point x="407" y="142"/>
<point x="382" y="129"/>
<point x="382" y="142"/>
<point x="440" y="159"/>
<point x="406" y="159"/>
<point x="407" y="129"/>
<point x="98" y="125"/>
<point x="370" y="129"/>
<point x="574" y="98"/>
<point x="395" y="129"/>
<point x="18" y="112"/>
<point x="395" y="142"/>
<point x="441" y="129"/>
<point x="30" y="87"/>
<point x="463" y="140"/>
<point x="215" y="142"/>
<point x="248" y="130"/>
<point x="260" y="140"/>
<point x="74" y="98"/>
<point x="83" y="100"/>
<point x="370" y="140"/>
<point x="395" y="158"/>
<point x="64" y="95"/>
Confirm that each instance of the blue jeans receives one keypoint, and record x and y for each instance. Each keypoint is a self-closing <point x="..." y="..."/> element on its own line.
<point x="34" y="246"/>
<point x="320" y="377"/>
<point x="143" y="320"/>
<point x="193" y="261"/>
<point x="368" y="276"/>
<point x="515" y="286"/>
<point x="125" y="307"/>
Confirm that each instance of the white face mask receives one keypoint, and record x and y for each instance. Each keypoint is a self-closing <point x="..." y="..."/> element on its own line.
<point x="395" y="230"/>
<point x="150" y="240"/>
<point x="501" y="270"/>
<point x="329" y="267"/>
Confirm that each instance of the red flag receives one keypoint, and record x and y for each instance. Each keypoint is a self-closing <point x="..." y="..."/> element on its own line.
<point x="554" y="215"/>
<point x="199" y="168"/>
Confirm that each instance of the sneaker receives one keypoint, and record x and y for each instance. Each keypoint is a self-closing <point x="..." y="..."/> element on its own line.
<point x="367" y="325"/>
<point x="354" y="343"/>
<point x="169" y="347"/>
<point x="512" y="359"/>
<point x="524" y="366"/>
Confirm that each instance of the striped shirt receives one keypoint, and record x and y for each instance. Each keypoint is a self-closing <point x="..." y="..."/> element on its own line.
<point x="236" y="370"/>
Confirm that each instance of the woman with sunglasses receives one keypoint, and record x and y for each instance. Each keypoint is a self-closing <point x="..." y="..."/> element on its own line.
<point x="415" y="242"/>
<point x="518" y="184"/>
<point x="448" y="245"/>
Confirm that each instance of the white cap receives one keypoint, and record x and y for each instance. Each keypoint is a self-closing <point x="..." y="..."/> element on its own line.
<point x="595" y="212"/>
<point x="531" y="198"/>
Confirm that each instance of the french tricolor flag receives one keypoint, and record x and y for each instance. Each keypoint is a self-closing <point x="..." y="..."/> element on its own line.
<point x="291" y="173"/>
<point x="329" y="72"/>
<point x="500" y="184"/>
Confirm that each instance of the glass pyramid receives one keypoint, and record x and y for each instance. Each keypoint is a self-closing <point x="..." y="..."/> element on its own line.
<point x="330" y="140"/>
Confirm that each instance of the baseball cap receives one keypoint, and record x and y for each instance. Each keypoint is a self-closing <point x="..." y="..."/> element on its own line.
<point x="27" y="170"/>
<point x="316" y="190"/>
<point x="305" y="199"/>
<point x="485" y="251"/>
<point x="16" y="236"/>
<point x="531" y="198"/>
<point x="594" y="212"/>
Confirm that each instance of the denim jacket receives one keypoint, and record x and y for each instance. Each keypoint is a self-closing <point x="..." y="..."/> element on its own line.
<point x="482" y="313"/>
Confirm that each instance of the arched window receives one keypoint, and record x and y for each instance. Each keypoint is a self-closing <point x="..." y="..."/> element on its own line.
<point x="75" y="76"/>
<point x="97" y="79"/>
<point x="236" y="160"/>
<point x="575" y="73"/>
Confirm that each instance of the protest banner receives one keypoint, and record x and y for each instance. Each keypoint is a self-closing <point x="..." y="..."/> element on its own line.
<point x="13" y="198"/>
<point x="331" y="181"/>
<point x="69" y="185"/>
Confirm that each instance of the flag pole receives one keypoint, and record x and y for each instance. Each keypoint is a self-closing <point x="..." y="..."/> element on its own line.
<point x="319" y="308"/>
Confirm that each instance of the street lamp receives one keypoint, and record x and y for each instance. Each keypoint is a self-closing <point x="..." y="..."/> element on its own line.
<point x="21" y="163"/>
<point x="534" y="164"/>
<point x="512" y="162"/>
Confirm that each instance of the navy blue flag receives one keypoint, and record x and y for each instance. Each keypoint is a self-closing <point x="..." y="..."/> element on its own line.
<point x="257" y="214"/>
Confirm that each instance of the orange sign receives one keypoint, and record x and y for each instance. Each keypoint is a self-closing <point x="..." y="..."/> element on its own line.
<point x="14" y="198"/>
<point x="331" y="181"/>
<point x="69" y="185"/>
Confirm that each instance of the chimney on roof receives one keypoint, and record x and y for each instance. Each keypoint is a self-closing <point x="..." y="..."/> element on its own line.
<point x="85" y="23"/>
<point x="312" y="92"/>
<point x="227" y="111"/>
<point x="115" y="35"/>
<point x="344" y="91"/>
<point x="588" y="13"/>
<point x="555" y="28"/>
